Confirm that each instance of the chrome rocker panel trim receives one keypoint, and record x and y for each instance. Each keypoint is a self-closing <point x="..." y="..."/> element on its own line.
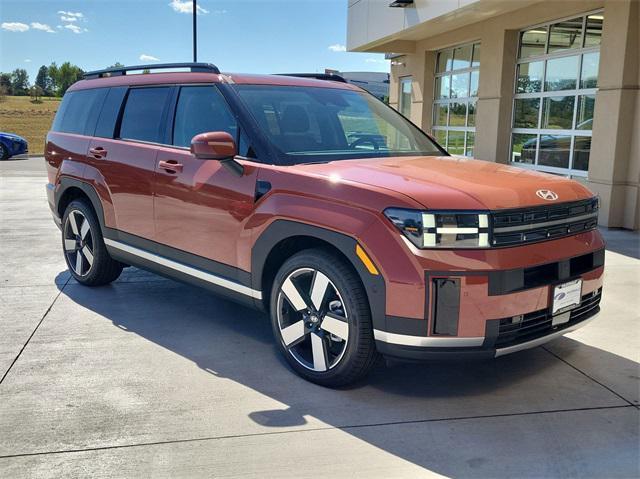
<point x="196" y="273"/>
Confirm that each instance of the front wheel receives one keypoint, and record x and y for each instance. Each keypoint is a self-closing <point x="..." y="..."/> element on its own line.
<point x="4" y="152"/>
<point x="86" y="255"/>
<point x="321" y="319"/>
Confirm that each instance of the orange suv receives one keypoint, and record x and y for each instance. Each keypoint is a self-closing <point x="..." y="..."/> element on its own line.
<point x="312" y="200"/>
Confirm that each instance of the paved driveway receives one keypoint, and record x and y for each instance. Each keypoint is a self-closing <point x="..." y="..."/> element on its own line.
<point x="150" y="377"/>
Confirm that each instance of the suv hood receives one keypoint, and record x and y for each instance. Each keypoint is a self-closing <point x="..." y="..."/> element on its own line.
<point x="444" y="182"/>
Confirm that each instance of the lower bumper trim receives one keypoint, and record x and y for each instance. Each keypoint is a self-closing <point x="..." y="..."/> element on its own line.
<point x="427" y="341"/>
<point x="543" y="339"/>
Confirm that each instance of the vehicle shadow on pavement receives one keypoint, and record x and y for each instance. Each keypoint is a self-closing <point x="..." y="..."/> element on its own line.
<point x="236" y="343"/>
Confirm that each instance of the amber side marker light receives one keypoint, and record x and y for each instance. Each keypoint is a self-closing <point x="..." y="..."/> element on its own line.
<point x="366" y="260"/>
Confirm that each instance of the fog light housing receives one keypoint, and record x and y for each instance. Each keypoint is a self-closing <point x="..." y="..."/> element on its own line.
<point x="446" y="310"/>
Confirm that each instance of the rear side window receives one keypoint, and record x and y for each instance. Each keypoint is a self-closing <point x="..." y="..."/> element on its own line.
<point x="201" y="109"/>
<point x="142" y="117"/>
<point x="79" y="111"/>
<point x="110" y="109"/>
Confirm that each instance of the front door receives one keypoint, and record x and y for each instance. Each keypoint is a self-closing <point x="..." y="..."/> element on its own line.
<point x="201" y="207"/>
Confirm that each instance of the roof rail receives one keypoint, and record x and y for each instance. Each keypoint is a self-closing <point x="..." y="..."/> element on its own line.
<point x="317" y="76"/>
<point x="119" y="71"/>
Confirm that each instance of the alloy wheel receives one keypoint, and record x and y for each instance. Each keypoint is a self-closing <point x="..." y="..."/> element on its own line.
<point x="78" y="243"/>
<point x="312" y="319"/>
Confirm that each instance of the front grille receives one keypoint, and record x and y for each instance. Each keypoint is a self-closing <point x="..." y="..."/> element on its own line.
<point x="528" y="225"/>
<point x="538" y="323"/>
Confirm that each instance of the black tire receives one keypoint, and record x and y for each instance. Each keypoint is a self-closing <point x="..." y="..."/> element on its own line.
<point x="359" y="353"/>
<point x="4" y="152"/>
<point x="95" y="266"/>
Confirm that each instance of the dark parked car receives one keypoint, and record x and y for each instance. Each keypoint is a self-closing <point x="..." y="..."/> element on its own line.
<point x="11" y="145"/>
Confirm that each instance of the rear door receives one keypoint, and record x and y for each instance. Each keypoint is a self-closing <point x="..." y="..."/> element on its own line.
<point x="200" y="206"/>
<point x="124" y="157"/>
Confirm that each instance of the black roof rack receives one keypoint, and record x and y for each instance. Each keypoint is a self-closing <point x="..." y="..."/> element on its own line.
<point x="119" y="71"/>
<point x="317" y="76"/>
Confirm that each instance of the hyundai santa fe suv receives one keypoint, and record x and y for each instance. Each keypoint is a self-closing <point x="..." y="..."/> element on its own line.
<point x="313" y="201"/>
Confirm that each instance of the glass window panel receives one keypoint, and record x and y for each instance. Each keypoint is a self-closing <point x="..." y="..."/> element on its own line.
<point x="457" y="114"/>
<point x="554" y="150"/>
<point x="584" y="118"/>
<point x="472" y="114"/>
<point x="589" y="76"/>
<point x="460" y="85"/>
<point x="523" y="148"/>
<point x="565" y="35"/>
<point x="562" y="74"/>
<point x="440" y="114"/>
<point x="475" y="77"/>
<point x="405" y="96"/>
<point x="456" y="143"/>
<point x="529" y="77"/>
<point x="525" y="113"/>
<point x="557" y="112"/>
<point x="441" y="137"/>
<point x="532" y="42"/>
<point x="476" y="55"/>
<point x="442" y="86"/>
<point x="471" y="138"/>
<point x="445" y="60"/>
<point x="462" y="57"/>
<point x="593" y="34"/>
<point x="581" y="150"/>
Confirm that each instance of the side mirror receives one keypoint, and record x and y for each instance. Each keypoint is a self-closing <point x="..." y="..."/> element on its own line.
<point x="214" y="145"/>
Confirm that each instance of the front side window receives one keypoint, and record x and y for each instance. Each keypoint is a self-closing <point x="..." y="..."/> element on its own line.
<point x="555" y="87"/>
<point x="456" y="94"/>
<point x="142" y="117"/>
<point x="311" y="125"/>
<point x="201" y="109"/>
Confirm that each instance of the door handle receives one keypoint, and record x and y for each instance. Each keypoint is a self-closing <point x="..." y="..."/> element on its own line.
<point x="98" y="152"/>
<point x="171" y="166"/>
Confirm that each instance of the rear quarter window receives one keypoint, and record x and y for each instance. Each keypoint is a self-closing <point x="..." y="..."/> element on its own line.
<point x="143" y="114"/>
<point x="79" y="110"/>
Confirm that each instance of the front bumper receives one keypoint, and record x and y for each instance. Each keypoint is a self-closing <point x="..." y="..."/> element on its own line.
<point x="500" y="338"/>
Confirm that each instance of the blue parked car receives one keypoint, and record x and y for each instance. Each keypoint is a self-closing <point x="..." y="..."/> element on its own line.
<point x="11" y="145"/>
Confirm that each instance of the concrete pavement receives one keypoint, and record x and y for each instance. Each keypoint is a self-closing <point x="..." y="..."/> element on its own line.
<point x="148" y="377"/>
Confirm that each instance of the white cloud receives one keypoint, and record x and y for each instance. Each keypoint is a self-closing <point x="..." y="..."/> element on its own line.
<point x="376" y="60"/>
<point x="186" y="6"/>
<point x="148" y="58"/>
<point x="68" y="19"/>
<point x="27" y="60"/>
<point x="75" y="28"/>
<point x="71" y="14"/>
<point x="43" y="27"/>
<point x="337" y="48"/>
<point x="14" y="26"/>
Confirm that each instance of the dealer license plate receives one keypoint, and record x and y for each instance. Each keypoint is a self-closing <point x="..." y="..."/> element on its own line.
<point x="566" y="296"/>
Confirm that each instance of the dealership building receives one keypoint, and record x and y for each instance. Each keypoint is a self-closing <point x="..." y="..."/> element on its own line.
<point x="543" y="85"/>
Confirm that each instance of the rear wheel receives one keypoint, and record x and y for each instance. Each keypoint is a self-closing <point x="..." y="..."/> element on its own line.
<point x="84" y="250"/>
<point x="4" y="152"/>
<point x="321" y="319"/>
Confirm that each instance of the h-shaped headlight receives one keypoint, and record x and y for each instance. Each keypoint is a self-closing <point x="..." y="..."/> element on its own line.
<point x="442" y="229"/>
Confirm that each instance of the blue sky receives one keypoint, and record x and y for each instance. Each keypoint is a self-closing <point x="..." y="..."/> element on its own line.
<point x="253" y="36"/>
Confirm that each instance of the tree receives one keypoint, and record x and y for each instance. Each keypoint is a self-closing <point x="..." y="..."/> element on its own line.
<point x="54" y="77"/>
<point x="43" y="80"/>
<point x="116" y="65"/>
<point x="36" y="92"/>
<point x="68" y="74"/>
<point x="20" y="82"/>
<point x="5" y="83"/>
<point x="3" y="93"/>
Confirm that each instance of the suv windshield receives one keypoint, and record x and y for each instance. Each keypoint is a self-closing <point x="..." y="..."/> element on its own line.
<point x="312" y="125"/>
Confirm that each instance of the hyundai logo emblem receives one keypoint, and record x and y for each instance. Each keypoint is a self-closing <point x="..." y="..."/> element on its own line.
<point x="547" y="195"/>
<point x="559" y="296"/>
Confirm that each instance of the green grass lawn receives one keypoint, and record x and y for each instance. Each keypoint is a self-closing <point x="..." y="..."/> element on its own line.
<point x="19" y="115"/>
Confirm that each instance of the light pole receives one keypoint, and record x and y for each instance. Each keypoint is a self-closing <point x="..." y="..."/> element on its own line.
<point x="195" y="33"/>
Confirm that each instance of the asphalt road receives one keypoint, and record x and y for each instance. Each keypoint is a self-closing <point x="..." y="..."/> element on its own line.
<point x="152" y="378"/>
